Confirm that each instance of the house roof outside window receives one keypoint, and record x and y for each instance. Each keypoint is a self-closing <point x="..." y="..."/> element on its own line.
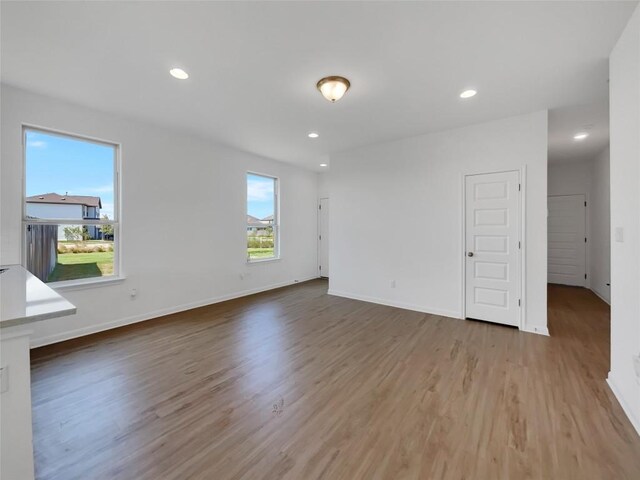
<point x="65" y="199"/>
<point x="258" y="222"/>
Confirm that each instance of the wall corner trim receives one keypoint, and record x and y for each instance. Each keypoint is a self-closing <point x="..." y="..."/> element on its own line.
<point x="536" y="329"/>
<point x="627" y="409"/>
<point x="392" y="303"/>
<point x="601" y="297"/>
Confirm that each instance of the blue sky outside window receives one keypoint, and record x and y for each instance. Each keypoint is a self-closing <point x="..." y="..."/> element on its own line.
<point x="65" y="165"/>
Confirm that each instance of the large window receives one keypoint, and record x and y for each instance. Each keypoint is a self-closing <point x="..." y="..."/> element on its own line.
<point x="262" y="217"/>
<point x="70" y="207"/>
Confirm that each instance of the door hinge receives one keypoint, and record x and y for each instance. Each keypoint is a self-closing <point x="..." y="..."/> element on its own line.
<point x="319" y="207"/>
<point x="319" y="237"/>
<point x="319" y="267"/>
<point x="585" y="276"/>
<point x="519" y="245"/>
<point x="585" y="204"/>
<point x="519" y="302"/>
<point x="519" y="187"/>
<point x="585" y="239"/>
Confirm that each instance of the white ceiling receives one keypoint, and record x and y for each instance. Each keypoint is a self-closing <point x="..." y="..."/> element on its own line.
<point x="565" y="122"/>
<point x="254" y="66"/>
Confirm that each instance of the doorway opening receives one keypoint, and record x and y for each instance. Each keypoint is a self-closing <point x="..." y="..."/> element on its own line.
<point x="578" y="220"/>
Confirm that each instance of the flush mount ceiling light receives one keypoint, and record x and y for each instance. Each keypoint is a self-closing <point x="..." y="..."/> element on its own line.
<point x="468" y="93"/>
<point x="580" y="136"/>
<point x="333" y="88"/>
<point x="313" y="135"/>
<point x="323" y="164"/>
<point x="179" y="73"/>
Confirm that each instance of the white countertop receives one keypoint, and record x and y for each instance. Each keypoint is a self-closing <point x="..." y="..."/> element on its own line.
<point x="26" y="299"/>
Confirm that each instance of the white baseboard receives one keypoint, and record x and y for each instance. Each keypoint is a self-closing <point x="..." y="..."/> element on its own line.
<point x="600" y="296"/>
<point x="101" y="327"/>
<point x="419" y="308"/>
<point x="625" y="406"/>
<point x="391" y="303"/>
<point x="536" y="329"/>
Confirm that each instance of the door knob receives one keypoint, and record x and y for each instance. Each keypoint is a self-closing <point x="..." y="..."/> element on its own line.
<point x="470" y="254"/>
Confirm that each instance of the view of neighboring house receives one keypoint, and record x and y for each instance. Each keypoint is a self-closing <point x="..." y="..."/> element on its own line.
<point x="257" y="226"/>
<point x="66" y="207"/>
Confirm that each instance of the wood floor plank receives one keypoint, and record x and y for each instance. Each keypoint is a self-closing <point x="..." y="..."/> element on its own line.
<point x="297" y="384"/>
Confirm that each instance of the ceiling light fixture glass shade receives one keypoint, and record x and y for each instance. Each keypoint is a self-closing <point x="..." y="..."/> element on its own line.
<point x="468" y="93"/>
<point x="179" y="73"/>
<point x="580" y="136"/>
<point x="333" y="88"/>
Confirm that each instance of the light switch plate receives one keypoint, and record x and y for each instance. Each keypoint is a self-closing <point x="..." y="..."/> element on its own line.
<point x="619" y="234"/>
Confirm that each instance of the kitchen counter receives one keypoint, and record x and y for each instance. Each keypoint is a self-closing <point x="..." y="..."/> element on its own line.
<point x="25" y="299"/>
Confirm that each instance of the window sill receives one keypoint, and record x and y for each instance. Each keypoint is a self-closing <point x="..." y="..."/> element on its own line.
<point x="88" y="283"/>
<point x="263" y="260"/>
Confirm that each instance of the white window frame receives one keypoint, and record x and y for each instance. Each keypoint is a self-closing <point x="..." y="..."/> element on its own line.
<point x="276" y="216"/>
<point x="115" y="222"/>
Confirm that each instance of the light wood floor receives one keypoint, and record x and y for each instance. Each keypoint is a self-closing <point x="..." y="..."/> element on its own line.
<point x="297" y="384"/>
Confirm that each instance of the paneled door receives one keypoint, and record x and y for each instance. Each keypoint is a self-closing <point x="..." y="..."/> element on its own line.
<point x="567" y="250"/>
<point x="492" y="247"/>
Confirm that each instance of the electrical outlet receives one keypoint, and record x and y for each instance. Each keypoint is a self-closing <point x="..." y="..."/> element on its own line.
<point x="133" y="293"/>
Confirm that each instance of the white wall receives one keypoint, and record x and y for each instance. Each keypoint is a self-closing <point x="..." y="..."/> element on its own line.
<point x="323" y="185"/>
<point x="571" y="178"/>
<point x="54" y="210"/>
<point x="60" y="212"/>
<point x="600" y="226"/>
<point x="396" y="212"/>
<point x="172" y="186"/>
<point x="624" y="111"/>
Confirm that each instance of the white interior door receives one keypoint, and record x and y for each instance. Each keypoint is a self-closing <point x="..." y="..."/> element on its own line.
<point x="323" y="237"/>
<point x="567" y="249"/>
<point x="492" y="251"/>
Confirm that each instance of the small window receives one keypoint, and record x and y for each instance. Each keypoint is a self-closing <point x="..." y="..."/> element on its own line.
<point x="70" y="207"/>
<point x="262" y="217"/>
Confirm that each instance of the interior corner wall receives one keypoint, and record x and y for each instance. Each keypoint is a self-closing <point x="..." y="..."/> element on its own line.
<point x="624" y="114"/>
<point x="183" y="241"/>
<point x="396" y="214"/>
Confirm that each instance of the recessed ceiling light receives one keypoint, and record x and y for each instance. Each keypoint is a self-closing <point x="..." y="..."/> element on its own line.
<point x="468" y="93"/>
<point x="313" y="135"/>
<point x="580" y="136"/>
<point x="179" y="73"/>
<point x="323" y="164"/>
